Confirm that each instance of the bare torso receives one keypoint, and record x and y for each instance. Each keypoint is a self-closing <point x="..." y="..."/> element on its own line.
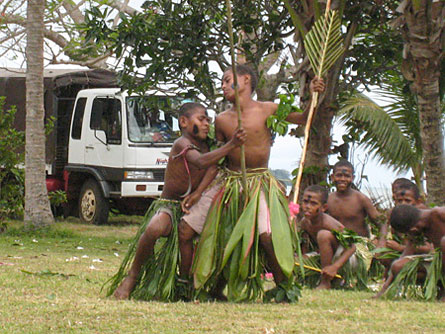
<point x="436" y="231"/>
<point x="326" y="223"/>
<point x="349" y="210"/>
<point x="258" y="142"/>
<point x="176" y="176"/>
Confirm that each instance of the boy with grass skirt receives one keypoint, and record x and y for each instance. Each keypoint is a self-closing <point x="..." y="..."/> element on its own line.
<point x="147" y="273"/>
<point x="335" y="249"/>
<point x="406" y="192"/>
<point x="420" y="276"/>
<point x="352" y="208"/>
<point x="242" y="236"/>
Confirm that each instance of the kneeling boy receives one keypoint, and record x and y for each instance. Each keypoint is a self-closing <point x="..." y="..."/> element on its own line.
<point x="319" y="226"/>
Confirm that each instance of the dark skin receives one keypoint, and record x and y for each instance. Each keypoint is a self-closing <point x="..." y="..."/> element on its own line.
<point x="431" y="224"/>
<point x="257" y="148"/>
<point x="408" y="197"/>
<point x="194" y="132"/>
<point x="350" y="206"/>
<point x="319" y="226"/>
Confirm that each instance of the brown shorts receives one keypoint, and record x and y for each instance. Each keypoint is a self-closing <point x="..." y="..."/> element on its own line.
<point x="198" y="212"/>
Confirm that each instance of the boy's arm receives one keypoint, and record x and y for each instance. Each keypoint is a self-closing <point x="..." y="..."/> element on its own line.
<point x="317" y="85"/>
<point x="194" y="197"/>
<point x="205" y="160"/>
<point x="332" y="269"/>
<point x="374" y="215"/>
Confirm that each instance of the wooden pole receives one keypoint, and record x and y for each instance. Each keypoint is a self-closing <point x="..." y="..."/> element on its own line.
<point x="307" y="130"/>
<point x="235" y="84"/>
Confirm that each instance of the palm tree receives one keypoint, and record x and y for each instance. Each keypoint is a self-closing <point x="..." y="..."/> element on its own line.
<point x="37" y="208"/>
<point x="422" y="25"/>
<point x="392" y="132"/>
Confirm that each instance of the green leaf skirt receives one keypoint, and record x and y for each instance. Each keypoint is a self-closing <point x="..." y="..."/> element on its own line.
<point x="229" y="246"/>
<point x="158" y="278"/>
<point x="407" y="283"/>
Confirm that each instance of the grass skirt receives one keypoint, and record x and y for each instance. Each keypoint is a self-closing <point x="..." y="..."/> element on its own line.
<point x="158" y="277"/>
<point x="354" y="272"/>
<point x="229" y="243"/>
<point x="406" y="284"/>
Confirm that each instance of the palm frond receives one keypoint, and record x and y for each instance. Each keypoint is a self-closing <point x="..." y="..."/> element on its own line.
<point x="382" y="131"/>
<point x="323" y="42"/>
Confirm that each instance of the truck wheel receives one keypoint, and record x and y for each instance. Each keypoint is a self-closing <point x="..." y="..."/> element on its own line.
<point x="93" y="207"/>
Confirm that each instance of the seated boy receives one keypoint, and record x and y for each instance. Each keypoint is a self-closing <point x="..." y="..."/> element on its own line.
<point x="404" y="192"/>
<point x="155" y="272"/>
<point x="418" y="223"/>
<point x="319" y="226"/>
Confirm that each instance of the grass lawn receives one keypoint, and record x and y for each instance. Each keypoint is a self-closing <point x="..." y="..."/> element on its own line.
<point x="51" y="282"/>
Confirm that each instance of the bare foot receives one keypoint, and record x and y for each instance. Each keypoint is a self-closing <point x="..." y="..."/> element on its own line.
<point x="125" y="288"/>
<point x="323" y="286"/>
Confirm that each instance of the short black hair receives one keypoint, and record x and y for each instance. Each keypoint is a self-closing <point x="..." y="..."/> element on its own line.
<point x="242" y="69"/>
<point x="188" y="109"/>
<point x="403" y="217"/>
<point x="400" y="181"/>
<point x="322" y="191"/>
<point x="343" y="163"/>
<point x="409" y="186"/>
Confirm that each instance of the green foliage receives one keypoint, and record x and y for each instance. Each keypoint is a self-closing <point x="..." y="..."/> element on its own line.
<point x="392" y="133"/>
<point x="323" y="43"/>
<point x="347" y="237"/>
<point x="11" y="156"/>
<point x="174" y="43"/>
<point x="277" y="122"/>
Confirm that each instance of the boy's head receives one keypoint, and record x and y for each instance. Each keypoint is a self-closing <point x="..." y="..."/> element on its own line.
<point x="407" y="193"/>
<point x="315" y="199"/>
<point x="399" y="182"/>
<point x="193" y="120"/>
<point x="405" y="218"/>
<point x="247" y="79"/>
<point x="342" y="175"/>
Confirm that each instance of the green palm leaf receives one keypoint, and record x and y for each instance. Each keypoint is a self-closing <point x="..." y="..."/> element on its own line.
<point x="323" y="42"/>
<point x="387" y="131"/>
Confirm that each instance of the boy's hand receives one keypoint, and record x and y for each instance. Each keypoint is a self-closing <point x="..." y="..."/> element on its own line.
<point x="239" y="137"/>
<point x="394" y="245"/>
<point x="330" y="271"/>
<point x="317" y="85"/>
<point x="189" y="200"/>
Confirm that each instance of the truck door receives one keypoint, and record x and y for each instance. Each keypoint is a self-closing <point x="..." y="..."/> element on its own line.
<point x="103" y="145"/>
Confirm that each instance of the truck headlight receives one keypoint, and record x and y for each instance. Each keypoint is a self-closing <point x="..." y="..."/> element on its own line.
<point x="138" y="175"/>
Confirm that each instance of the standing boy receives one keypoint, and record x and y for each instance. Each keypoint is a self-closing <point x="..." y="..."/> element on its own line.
<point x="423" y="223"/>
<point x="237" y="228"/>
<point x="152" y="275"/>
<point x="319" y="226"/>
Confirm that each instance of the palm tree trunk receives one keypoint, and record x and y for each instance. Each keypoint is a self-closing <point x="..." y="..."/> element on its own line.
<point x="37" y="207"/>
<point x="424" y="26"/>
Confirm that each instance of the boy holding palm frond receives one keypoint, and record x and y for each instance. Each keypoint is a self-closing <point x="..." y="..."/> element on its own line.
<point x="237" y="228"/>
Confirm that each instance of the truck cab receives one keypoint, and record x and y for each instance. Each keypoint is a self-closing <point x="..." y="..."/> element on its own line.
<point x="118" y="150"/>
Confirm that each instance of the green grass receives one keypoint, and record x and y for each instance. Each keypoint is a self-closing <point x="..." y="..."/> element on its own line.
<point x="51" y="282"/>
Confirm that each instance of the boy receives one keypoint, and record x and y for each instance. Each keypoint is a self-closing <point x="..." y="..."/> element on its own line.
<point x="404" y="192"/>
<point x="349" y="206"/>
<point x="319" y="226"/>
<point x="236" y="226"/>
<point x="429" y="223"/>
<point x="188" y="160"/>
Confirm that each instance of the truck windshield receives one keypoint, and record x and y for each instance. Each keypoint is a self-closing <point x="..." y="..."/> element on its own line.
<point x="151" y="119"/>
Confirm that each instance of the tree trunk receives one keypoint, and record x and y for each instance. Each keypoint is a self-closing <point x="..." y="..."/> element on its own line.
<point x="37" y="208"/>
<point x="424" y="27"/>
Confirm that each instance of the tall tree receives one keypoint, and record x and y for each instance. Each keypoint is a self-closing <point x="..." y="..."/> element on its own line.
<point x="422" y="24"/>
<point x="37" y="207"/>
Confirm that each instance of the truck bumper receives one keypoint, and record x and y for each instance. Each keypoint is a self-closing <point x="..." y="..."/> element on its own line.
<point x="141" y="189"/>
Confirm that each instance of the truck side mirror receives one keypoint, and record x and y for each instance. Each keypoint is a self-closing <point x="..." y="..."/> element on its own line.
<point x="101" y="136"/>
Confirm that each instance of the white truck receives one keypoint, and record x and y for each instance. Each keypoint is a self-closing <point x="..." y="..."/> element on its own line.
<point x="108" y="149"/>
